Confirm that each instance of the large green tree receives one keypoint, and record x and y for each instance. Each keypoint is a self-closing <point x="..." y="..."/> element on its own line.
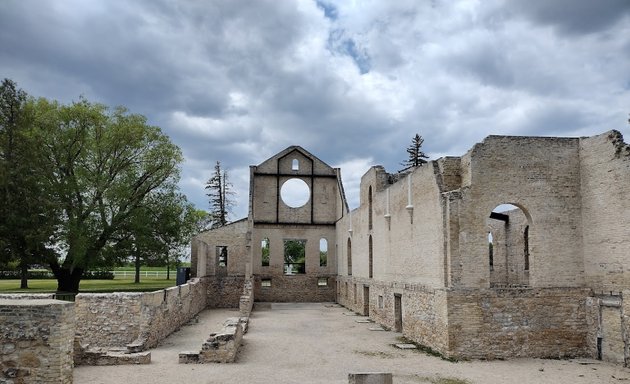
<point x="101" y="166"/>
<point x="27" y="215"/>
<point x="159" y="230"/>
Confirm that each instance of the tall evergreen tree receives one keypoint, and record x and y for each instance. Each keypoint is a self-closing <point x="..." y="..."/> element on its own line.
<point x="416" y="157"/>
<point x="220" y="196"/>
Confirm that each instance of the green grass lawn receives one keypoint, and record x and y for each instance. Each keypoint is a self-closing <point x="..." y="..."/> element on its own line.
<point x="116" y="285"/>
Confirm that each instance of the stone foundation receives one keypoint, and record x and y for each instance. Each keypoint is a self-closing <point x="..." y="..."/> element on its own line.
<point x="36" y="338"/>
<point x="506" y="323"/>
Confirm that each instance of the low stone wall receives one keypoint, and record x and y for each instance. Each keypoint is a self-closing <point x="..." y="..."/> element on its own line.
<point x="246" y="302"/>
<point x="505" y="323"/>
<point x="224" y="291"/>
<point x="137" y="319"/>
<point x="295" y="288"/>
<point x="36" y="338"/>
<point x="221" y="346"/>
<point x="27" y="296"/>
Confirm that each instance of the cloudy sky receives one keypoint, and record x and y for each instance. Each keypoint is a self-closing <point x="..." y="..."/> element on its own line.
<point x="351" y="81"/>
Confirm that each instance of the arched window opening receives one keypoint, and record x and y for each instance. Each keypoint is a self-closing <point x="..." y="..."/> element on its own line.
<point x="349" y="257"/>
<point x="490" y="251"/>
<point x="526" y="247"/>
<point x="264" y="252"/>
<point x="295" y="165"/>
<point x="323" y="252"/>
<point x="508" y="246"/>
<point x="370" y="208"/>
<point x="370" y="252"/>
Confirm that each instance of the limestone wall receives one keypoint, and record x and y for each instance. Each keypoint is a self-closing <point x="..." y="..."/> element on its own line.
<point x="542" y="177"/>
<point x="422" y="313"/>
<point x="268" y="179"/>
<point x="205" y="256"/>
<point x="510" y="259"/>
<point x="224" y="292"/>
<point x="294" y="288"/>
<point x="605" y="174"/>
<point x="119" y="319"/>
<point x="36" y="341"/>
<point x="277" y="234"/>
<point x="505" y="323"/>
<point x="407" y="244"/>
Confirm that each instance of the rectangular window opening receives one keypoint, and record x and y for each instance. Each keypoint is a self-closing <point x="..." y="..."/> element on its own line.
<point x="380" y="301"/>
<point x="222" y="255"/>
<point x="294" y="257"/>
<point x="264" y="252"/>
<point x="265" y="283"/>
<point x="322" y="282"/>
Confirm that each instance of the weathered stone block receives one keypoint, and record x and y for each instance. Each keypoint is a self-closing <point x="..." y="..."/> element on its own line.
<point x="370" y="378"/>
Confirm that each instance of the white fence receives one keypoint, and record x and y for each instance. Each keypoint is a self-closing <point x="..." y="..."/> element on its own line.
<point x="154" y="274"/>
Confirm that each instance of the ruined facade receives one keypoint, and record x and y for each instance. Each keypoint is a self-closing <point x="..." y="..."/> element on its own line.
<point x="520" y="247"/>
<point x="288" y="240"/>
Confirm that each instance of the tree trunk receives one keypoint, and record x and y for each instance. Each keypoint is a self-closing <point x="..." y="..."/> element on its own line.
<point x="168" y="269"/>
<point x="137" y="278"/>
<point x="67" y="279"/>
<point x="23" y="274"/>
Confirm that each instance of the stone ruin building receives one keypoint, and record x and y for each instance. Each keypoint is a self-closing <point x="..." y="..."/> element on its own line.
<point x="520" y="247"/>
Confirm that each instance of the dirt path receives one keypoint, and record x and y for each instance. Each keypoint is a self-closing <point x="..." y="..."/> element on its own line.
<point x="321" y="343"/>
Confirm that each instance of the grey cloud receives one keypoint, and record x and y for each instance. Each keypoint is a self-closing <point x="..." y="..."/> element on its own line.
<point x="573" y="16"/>
<point x="452" y="73"/>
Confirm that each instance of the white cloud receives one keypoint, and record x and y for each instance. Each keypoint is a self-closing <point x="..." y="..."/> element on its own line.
<point x="352" y="82"/>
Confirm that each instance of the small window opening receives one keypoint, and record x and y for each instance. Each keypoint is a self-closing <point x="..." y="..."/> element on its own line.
<point x="380" y="301"/>
<point x="526" y="247"/>
<point x="370" y="255"/>
<point x="294" y="257"/>
<point x="265" y="283"/>
<point x="264" y="250"/>
<point x="222" y="255"/>
<point x="322" y="282"/>
<point x="295" y="165"/>
<point x="491" y="251"/>
<point x="349" y="257"/>
<point x="323" y="252"/>
<point x="370" y="207"/>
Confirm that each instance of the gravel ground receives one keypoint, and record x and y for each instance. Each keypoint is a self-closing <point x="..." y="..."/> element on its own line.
<point x="322" y="343"/>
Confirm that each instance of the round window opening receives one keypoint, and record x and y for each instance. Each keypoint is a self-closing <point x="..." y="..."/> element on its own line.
<point x="295" y="193"/>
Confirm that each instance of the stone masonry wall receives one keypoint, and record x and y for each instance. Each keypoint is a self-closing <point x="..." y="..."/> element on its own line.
<point x="605" y="175"/>
<point x="294" y="288"/>
<point x="505" y="323"/>
<point x="542" y="177"/>
<point x="204" y="257"/>
<point x="118" y="319"/>
<point x="36" y="341"/>
<point x="224" y="292"/>
<point x="424" y="310"/>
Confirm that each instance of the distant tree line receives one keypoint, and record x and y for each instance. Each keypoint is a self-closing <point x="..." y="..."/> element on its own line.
<point x="84" y="186"/>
